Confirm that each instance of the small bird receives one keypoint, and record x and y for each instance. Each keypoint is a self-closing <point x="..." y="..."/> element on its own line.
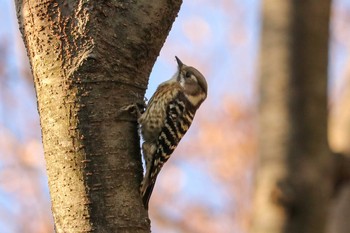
<point x="166" y="119"/>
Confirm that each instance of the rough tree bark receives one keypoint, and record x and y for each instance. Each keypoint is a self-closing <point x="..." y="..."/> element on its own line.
<point x="293" y="185"/>
<point x="89" y="59"/>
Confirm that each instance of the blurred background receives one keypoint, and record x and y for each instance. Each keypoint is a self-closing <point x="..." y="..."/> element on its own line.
<point x="208" y="182"/>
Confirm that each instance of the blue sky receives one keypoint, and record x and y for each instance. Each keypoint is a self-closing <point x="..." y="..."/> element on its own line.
<point x="220" y="38"/>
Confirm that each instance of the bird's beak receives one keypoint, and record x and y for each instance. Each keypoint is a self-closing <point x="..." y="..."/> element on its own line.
<point x="179" y="62"/>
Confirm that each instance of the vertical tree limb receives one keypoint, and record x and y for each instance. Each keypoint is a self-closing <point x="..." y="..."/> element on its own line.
<point x="89" y="59"/>
<point x="295" y="171"/>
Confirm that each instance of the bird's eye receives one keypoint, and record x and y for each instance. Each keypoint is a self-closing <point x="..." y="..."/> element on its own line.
<point x="188" y="74"/>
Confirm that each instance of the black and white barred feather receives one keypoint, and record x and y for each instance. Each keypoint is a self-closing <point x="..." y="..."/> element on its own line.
<point x="167" y="118"/>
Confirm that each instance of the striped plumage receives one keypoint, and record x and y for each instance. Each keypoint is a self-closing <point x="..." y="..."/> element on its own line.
<point x="167" y="118"/>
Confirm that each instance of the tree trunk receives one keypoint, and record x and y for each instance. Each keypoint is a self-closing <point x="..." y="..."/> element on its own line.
<point x="339" y="140"/>
<point x="89" y="59"/>
<point x="293" y="185"/>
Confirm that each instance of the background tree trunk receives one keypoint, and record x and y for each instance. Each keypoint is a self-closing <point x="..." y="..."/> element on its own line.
<point x="294" y="178"/>
<point x="339" y="141"/>
<point x="89" y="59"/>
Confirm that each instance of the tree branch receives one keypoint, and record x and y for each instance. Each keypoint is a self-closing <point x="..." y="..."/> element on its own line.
<point x="341" y="170"/>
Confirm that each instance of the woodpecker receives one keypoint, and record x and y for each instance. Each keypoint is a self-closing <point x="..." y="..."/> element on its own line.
<point x="166" y="119"/>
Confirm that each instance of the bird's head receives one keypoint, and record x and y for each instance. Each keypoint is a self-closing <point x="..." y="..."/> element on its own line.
<point x="193" y="82"/>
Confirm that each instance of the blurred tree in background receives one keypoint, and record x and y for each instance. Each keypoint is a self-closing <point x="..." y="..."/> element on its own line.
<point x="298" y="174"/>
<point x="295" y="171"/>
<point x="207" y="185"/>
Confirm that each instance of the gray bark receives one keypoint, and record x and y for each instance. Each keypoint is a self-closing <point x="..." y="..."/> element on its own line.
<point x="89" y="59"/>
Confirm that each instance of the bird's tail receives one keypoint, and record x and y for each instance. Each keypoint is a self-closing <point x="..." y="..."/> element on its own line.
<point x="146" y="194"/>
